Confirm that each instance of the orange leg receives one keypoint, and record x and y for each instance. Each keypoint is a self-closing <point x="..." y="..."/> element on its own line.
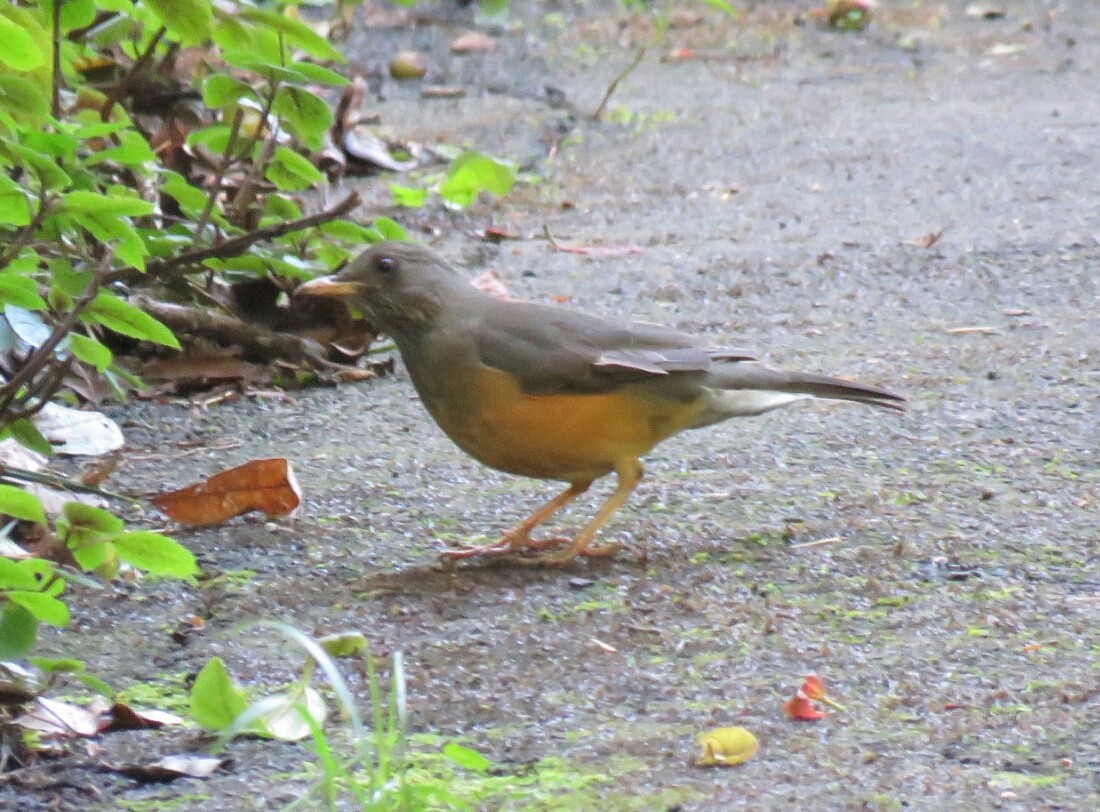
<point x="519" y="537"/>
<point x="629" y="473"/>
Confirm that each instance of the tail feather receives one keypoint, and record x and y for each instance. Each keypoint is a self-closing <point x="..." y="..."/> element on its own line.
<point x="754" y="388"/>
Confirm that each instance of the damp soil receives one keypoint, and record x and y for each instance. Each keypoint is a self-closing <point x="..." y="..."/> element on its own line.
<point x="939" y="569"/>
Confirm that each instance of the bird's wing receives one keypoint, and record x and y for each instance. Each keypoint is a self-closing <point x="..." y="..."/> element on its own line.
<point x="552" y="350"/>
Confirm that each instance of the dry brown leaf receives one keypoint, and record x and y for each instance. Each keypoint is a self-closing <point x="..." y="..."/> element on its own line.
<point x="201" y="367"/>
<point x="170" y="768"/>
<point x="930" y="239"/>
<point x="123" y="717"/>
<point x="265" y="485"/>
<point x="54" y="719"/>
<point x="598" y="251"/>
<point x="473" y="43"/>
<point x="442" y="92"/>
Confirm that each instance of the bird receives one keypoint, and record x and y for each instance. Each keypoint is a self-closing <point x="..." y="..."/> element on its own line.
<point x="550" y="392"/>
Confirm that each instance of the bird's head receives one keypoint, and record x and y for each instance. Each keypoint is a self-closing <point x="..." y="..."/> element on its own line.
<point x="398" y="285"/>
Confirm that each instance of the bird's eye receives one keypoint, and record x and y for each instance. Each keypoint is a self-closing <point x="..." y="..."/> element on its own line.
<point x="387" y="264"/>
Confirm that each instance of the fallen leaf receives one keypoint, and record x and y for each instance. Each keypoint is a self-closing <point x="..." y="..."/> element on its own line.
<point x="681" y="54"/>
<point x="1005" y="49"/>
<point x="442" y="92"/>
<point x="362" y="144"/>
<point x="284" y="716"/>
<point x="265" y="485"/>
<point x="201" y="368"/>
<point x="801" y="709"/>
<point x="170" y="768"/>
<point x="982" y="329"/>
<point x="598" y="251"/>
<point x="984" y="11"/>
<point x="54" y="719"/>
<point x="930" y="239"/>
<point x="814" y="688"/>
<point x="498" y="234"/>
<point x="726" y="747"/>
<point x="491" y="283"/>
<point x="473" y="43"/>
<point x="122" y="717"/>
<point x="78" y="433"/>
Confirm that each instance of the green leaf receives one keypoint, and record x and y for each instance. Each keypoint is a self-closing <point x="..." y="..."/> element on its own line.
<point x="56" y="665"/>
<point x="319" y="75"/>
<point x="20" y="291"/>
<point x="96" y="684"/>
<point x="74" y="13"/>
<point x="472" y="173"/>
<point x="221" y="90"/>
<point x="28" y="436"/>
<point x="43" y="165"/>
<point x="18" y="50"/>
<point x="466" y="758"/>
<point x="192" y="21"/>
<point x="348" y="231"/>
<point x="272" y="72"/>
<point x="132" y="150"/>
<point x="19" y="504"/>
<point x="44" y="608"/>
<point x="296" y="33"/>
<point x="290" y="171"/>
<point x="18" y="629"/>
<point x="158" y="554"/>
<point x="343" y="644"/>
<point x="306" y="115"/>
<point x="188" y="196"/>
<point x="90" y="351"/>
<point x="100" y="556"/>
<point x="30" y="575"/>
<point x="15" y="209"/>
<point x="19" y="95"/>
<point x="102" y="205"/>
<point x="88" y="521"/>
<point x="125" y="319"/>
<point x="389" y="229"/>
<point x="215" y="700"/>
<point x="408" y="196"/>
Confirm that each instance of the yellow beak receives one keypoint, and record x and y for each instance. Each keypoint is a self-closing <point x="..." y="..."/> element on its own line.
<point x="327" y="286"/>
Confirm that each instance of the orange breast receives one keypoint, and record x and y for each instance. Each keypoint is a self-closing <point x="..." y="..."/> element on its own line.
<point x="566" y="437"/>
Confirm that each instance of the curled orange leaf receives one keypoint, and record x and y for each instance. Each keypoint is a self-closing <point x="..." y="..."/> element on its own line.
<point x="801" y="709"/>
<point x="814" y="688"/>
<point x="265" y="485"/>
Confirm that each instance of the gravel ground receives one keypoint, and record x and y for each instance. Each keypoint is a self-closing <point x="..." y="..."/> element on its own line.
<point x="778" y="190"/>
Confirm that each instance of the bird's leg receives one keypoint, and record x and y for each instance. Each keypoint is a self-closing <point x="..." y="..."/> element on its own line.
<point x="519" y="537"/>
<point x="629" y="474"/>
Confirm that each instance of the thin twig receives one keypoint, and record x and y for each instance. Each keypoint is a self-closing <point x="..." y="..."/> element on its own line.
<point x="42" y="354"/>
<point x="237" y="245"/>
<point x="55" y="80"/>
<point x="619" y="78"/>
<point x="223" y="166"/>
<point x="26" y="233"/>
<point x="247" y="192"/>
<point x="10" y="473"/>
<point x="124" y="83"/>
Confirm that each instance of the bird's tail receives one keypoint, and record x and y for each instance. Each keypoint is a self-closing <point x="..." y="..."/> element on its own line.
<point x="746" y="389"/>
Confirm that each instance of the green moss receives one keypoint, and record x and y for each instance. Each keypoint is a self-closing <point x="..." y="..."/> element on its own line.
<point x="166" y="692"/>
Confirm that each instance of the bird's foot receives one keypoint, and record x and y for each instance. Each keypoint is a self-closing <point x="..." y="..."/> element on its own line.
<point x="497" y="548"/>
